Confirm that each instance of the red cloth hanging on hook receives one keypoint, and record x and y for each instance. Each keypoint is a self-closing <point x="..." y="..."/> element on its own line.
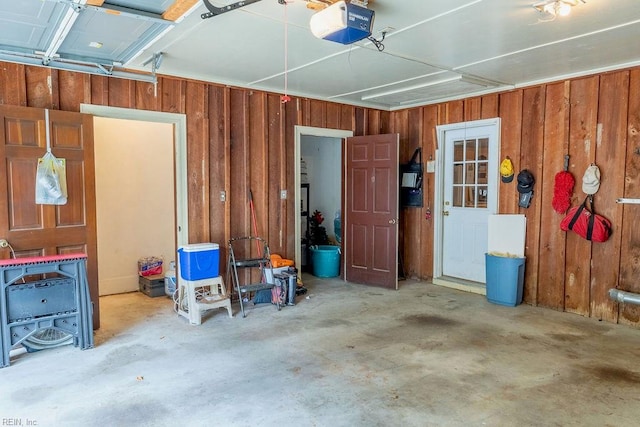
<point x="563" y="189"/>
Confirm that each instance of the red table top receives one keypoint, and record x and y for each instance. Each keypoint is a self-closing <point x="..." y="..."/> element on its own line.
<point x="47" y="258"/>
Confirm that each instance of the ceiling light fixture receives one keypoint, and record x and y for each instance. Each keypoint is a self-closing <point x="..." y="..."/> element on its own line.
<point x="465" y="80"/>
<point x="555" y="8"/>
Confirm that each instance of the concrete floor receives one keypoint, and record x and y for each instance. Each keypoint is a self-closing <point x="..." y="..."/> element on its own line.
<point x="344" y="355"/>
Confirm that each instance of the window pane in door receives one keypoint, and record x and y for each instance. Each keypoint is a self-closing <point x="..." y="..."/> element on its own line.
<point x="457" y="196"/>
<point x="471" y="150"/>
<point x="483" y="148"/>
<point x="458" y="151"/>
<point x="482" y="172"/>
<point x="482" y="196"/>
<point x="458" y="176"/>
<point x="470" y="201"/>
<point x="471" y="174"/>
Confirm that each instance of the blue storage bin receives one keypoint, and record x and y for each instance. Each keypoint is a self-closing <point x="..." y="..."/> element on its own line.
<point x="199" y="261"/>
<point x="505" y="280"/>
<point x="325" y="260"/>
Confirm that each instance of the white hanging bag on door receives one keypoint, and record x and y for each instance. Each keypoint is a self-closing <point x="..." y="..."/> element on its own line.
<point x="51" y="176"/>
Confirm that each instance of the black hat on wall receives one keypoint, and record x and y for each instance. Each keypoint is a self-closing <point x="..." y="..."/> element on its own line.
<point x="525" y="181"/>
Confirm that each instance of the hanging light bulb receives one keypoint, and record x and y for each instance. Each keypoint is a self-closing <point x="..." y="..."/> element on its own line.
<point x="550" y="8"/>
<point x="555" y="8"/>
<point x="563" y="8"/>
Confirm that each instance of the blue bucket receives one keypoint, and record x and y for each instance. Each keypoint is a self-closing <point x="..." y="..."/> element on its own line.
<point x="325" y="260"/>
<point x="505" y="280"/>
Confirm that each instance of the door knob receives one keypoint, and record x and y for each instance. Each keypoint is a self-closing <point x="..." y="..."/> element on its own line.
<point x="392" y="221"/>
<point x="445" y="213"/>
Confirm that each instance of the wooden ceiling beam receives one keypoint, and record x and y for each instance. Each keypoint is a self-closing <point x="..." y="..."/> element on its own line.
<point x="321" y="4"/>
<point x="177" y="9"/>
<point x="95" y="2"/>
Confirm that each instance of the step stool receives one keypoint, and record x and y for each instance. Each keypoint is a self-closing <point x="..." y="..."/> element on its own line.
<point x="198" y="296"/>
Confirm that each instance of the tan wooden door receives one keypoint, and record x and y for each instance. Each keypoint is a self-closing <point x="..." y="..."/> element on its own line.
<point x="37" y="230"/>
<point x="371" y="237"/>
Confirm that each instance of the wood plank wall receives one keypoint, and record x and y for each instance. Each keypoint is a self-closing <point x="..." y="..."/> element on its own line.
<point x="240" y="139"/>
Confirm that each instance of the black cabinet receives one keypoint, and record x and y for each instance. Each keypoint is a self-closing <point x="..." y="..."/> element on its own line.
<point x="304" y="212"/>
<point x="305" y="215"/>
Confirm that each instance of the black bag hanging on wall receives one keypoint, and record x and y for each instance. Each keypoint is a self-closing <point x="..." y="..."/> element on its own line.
<point x="411" y="175"/>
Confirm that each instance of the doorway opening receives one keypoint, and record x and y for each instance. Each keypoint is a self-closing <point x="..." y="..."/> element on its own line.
<point x="467" y="190"/>
<point x="135" y="202"/>
<point x="179" y="168"/>
<point x="323" y="151"/>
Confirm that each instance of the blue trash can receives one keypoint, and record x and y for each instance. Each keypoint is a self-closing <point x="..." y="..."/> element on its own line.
<point x="505" y="280"/>
<point x="325" y="260"/>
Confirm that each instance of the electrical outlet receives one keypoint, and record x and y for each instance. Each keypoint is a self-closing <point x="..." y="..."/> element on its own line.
<point x="223" y="196"/>
<point x="4" y="243"/>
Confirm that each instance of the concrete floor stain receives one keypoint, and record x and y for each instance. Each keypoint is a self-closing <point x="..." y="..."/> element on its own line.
<point x="617" y="375"/>
<point x="566" y="337"/>
<point x="429" y="320"/>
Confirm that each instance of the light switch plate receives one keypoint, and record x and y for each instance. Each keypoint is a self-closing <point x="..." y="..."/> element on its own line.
<point x="431" y="166"/>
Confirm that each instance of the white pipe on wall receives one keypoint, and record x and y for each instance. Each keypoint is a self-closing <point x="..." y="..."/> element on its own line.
<point x="625" y="297"/>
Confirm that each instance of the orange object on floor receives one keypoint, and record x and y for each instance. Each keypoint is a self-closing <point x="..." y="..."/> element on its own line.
<point x="278" y="261"/>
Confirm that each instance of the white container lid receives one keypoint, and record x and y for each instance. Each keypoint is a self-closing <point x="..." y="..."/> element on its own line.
<point x="199" y="247"/>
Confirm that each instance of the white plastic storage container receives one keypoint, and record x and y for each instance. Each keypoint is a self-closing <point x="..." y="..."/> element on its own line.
<point x="170" y="282"/>
<point x="199" y="261"/>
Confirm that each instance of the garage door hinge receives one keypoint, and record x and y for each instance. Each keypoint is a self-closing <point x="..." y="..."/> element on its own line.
<point x="213" y="10"/>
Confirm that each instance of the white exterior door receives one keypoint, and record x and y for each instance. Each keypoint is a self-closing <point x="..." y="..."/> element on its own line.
<point x="469" y="196"/>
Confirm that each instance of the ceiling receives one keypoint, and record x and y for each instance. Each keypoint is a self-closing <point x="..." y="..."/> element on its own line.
<point x="434" y="50"/>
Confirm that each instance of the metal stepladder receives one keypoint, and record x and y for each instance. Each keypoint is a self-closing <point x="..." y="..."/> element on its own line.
<point x="240" y="256"/>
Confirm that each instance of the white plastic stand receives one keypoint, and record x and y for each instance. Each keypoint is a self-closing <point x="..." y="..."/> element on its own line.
<point x="198" y="296"/>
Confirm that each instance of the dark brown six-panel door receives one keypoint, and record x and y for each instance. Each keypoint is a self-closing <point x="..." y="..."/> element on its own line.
<point x="37" y="230"/>
<point x="371" y="237"/>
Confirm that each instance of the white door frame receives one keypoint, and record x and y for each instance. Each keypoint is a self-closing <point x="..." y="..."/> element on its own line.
<point x="441" y="130"/>
<point x="179" y="122"/>
<point x="301" y="131"/>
